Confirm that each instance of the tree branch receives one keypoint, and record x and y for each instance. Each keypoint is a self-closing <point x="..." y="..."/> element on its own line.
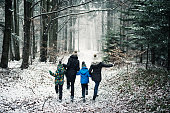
<point x="61" y="9"/>
<point x="73" y="14"/>
<point x="35" y="4"/>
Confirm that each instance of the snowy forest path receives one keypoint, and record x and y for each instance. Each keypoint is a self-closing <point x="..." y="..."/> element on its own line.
<point x="34" y="90"/>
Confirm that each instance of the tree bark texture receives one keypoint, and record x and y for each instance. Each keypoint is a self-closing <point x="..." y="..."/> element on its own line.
<point x="71" y="32"/>
<point x="43" y="48"/>
<point x="27" y="35"/>
<point x="168" y="67"/>
<point x="16" y="23"/>
<point x="7" y="33"/>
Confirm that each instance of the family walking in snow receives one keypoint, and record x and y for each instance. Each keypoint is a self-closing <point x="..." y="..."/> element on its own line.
<point x="71" y="69"/>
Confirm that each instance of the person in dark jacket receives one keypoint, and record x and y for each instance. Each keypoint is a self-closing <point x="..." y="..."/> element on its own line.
<point x="95" y="72"/>
<point x="84" y="73"/>
<point x="72" y="68"/>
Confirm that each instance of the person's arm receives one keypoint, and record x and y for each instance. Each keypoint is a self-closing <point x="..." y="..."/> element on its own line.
<point x="90" y="70"/>
<point x="106" y="65"/>
<point x="78" y="66"/>
<point x="65" y="66"/>
<point x="78" y="73"/>
<point x="52" y="74"/>
<point x="88" y="74"/>
<point x="68" y="63"/>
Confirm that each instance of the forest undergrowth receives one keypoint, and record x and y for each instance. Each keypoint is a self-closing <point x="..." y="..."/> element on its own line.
<point x="143" y="90"/>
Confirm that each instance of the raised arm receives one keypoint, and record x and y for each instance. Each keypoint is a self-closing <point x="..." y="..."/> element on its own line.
<point x="52" y="74"/>
<point x="106" y="65"/>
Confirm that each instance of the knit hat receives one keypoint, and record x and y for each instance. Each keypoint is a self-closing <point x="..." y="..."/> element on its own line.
<point x="96" y="59"/>
<point x="75" y="53"/>
<point x="83" y="64"/>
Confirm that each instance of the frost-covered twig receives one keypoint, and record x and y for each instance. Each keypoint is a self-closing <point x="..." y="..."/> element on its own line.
<point x="45" y="102"/>
<point x="32" y="90"/>
<point x="62" y="9"/>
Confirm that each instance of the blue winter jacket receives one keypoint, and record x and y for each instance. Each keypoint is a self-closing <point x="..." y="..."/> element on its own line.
<point x="84" y="72"/>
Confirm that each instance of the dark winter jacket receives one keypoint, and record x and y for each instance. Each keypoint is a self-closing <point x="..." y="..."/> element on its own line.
<point x="72" y="68"/>
<point x="95" y="70"/>
<point x="84" y="72"/>
<point x="59" y="75"/>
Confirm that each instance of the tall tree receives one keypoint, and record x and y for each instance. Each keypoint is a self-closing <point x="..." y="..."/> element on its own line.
<point x="168" y="67"/>
<point x="109" y="15"/>
<point x="16" y="23"/>
<point x="7" y="33"/>
<point x="65" y="38"/>
<point x="43" y="48"/>
<point x="27" y="35"/>
<point x="70" y="49"/>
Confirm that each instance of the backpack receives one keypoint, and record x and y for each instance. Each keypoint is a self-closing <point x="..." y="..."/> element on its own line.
<point x="60" y="69"/>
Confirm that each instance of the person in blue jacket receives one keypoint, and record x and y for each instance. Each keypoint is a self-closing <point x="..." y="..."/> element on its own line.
<point x="84" y="73"/>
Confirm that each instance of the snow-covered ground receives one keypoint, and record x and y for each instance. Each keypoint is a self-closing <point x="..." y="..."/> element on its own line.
<point x="32" y="90"/>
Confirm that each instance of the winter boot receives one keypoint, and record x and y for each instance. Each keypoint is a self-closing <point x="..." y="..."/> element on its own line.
<point x="94" y="97"/>
<point x="68" y="86"/>
<point x="86" y="92"/>
<point x="72" y="98"/>
<point x="60" y="100"/>
<point x="84" y="100"/>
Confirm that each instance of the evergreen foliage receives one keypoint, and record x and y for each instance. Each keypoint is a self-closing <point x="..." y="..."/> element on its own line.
<point x="148" y="29"/>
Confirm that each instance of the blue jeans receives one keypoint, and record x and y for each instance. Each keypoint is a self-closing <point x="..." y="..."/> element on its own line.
<point x="96" y="88"/>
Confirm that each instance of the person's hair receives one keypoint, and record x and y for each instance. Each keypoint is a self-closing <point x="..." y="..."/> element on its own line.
<point x="75" y="51"/>
<point x="83" y="64"/>
<point x="95" y="55"/>
<point x="60" y="62"/>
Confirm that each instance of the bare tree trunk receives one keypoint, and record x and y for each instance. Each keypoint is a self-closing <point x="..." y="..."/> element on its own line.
<point x="7" y="34"/>
<point x="43" y="48"/>
<point x="121" y="15"/>
<point x="12" y="42"/>
<point x="103" y="31"/>
<point x="168" y="67"/>
<point x="33" y="40"/>
<point x="147" y="57"/>
<point x="153" y="55"/>
<point x="10" y="51"/>
<point x="141" y="56"/>
<point x="70" y="35"/>
<point x="74" y="22"/>
<point x="78" y="34"/>
<point x="65" y="39"/>
<point x="109" y="17"/>
<point x="16" y="22"/>
<point x="27" y="35"/>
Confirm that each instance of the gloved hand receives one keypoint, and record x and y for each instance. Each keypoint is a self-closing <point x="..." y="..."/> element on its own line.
<point x="50" y="72"/>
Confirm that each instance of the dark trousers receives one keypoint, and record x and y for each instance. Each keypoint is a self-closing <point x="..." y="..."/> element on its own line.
<point x="60" y="87"/>
<point x="84" y="89"/>
<point x="68" y="84"/>
<point x="72" y="89"/>
<point x="96" y="88"/>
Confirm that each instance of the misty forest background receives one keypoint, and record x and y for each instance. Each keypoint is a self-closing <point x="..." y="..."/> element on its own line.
<point x="134" y="35"/>
<point x="123" y="29"/>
